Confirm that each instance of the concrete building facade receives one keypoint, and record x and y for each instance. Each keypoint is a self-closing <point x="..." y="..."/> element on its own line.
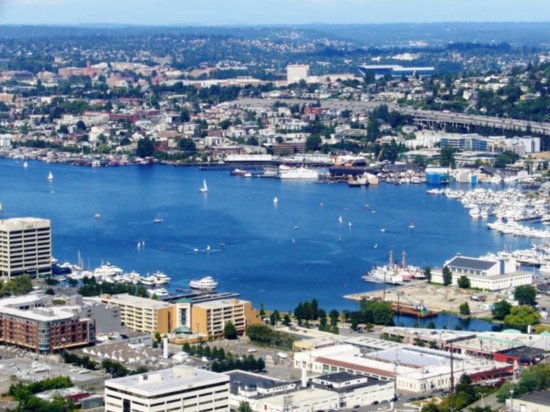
<point x="176" y="389"/>
<point x="210" y="318"/>
<point x="25" y="247"/>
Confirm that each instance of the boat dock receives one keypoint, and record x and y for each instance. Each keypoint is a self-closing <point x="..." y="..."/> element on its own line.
<point x="197" y="297"/>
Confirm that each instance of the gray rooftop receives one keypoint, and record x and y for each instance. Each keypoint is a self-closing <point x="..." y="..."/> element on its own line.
<point x="541" y="398"/>
<point x="471" y="263"/>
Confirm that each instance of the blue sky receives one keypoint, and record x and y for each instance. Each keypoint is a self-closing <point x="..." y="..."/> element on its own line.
<point x="216" y="12"/>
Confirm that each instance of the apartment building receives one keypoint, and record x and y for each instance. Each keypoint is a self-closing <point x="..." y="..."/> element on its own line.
<point x="177" y="389"/>
<point x="142" y="314"/>
<point x="29" y="322"/>
<point x="25" y="247"/>
<point x="209" y="318"/>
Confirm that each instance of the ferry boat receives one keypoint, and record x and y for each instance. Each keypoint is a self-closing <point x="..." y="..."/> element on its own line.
<point x="286" y="172"/>
<point x="392" y="273"/>
<point x="206" y="284"/>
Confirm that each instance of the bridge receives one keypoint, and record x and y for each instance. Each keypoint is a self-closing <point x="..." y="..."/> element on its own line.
<point x="428" y="118"/>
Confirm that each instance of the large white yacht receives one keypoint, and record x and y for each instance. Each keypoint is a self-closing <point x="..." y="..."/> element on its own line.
<point x="206" y="284"/>
<point x="286" y="172"/>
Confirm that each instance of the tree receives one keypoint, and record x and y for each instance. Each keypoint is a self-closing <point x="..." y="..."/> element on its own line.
<point x="187" y="145"/>
<point x="286" y="320"/>
<point x="333" y="315"/>
<point x="522" y="316"/>
<point x="428" y="273"/>
<point x="145" y="147"/>
<point x="313" y="142"/>
<point x="526" y="295"/>
<point x="230" y="331"/>
<point x="447" y="276"/>
<point x="80" y="125"/>
<point x="501" y="309"/>
<point x="463" y="282"/>
<point x="184" y="116"/>
<point x="447" y="157"/>
<point x="464" y="309"/>
<point x="244" y="406"/>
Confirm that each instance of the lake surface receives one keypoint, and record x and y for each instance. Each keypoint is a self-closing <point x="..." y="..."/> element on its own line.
<point x="277" y="255"/>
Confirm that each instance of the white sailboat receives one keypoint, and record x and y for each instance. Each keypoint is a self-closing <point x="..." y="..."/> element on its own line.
<point x="50" y="176"/>
<point x="158" y="219"/>
<point x="1" y="208"/>
<point x="25" y="164"/>
<point x="275" y="200"/>
<point x="204" y="188"/>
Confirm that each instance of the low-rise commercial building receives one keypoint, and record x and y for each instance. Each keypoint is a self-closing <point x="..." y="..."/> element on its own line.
<point x="414" y="369"/>
<point x="175" y="389"/>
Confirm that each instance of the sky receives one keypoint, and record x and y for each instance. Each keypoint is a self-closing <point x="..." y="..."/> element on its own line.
<point x="262" y="12"/>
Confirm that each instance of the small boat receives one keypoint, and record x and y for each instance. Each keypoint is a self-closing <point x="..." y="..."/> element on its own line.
<point x="349" y="224"/>
<point x="1" y="208"/>
<point x="275" y="200"/>
<point x="412" y="226"/>
<point x="340" y="220"/>
<point x="158" y="219"/>
<point x="383" y="230"/>
<point x="50" y="176"/>
<point x="204" y="188"/>
<point x="25" y="164"/>
<point x="97" y="216"/>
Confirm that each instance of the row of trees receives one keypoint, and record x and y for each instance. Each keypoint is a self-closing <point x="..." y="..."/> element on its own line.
<point x="90" y="287"/>
<point x="263" y="334"/>
<point x="24" y="393"/>
<point x="114" y="368"/>
<point x="225" y="361"/>
<point x="19" y="285"/>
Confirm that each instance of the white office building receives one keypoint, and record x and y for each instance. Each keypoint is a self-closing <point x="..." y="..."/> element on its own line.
<point x="297" y="72"/>
<point x="25" y="247"/>
<point x="180" y="388"/>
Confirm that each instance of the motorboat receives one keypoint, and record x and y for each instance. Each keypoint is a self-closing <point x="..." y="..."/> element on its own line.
<point x="205" y="284"/>
<point x="160" y="293"/>
<point x="204" y="187"/>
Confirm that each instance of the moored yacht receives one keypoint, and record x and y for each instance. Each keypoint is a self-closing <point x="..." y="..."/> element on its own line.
<point x="206" y="284"/>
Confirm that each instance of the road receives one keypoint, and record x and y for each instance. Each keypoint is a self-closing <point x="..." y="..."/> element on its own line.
<point x="427" y="117"/>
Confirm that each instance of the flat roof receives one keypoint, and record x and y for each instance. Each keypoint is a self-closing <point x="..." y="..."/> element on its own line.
<point x="127" y="299"/>
<point x="11" y="306"/>
<point x="166" y="380"/>
<point x="16" y="222"/>
<point x="213" y="304"/>
<point x="239" y="378"/>
<point x="541" y="397"/>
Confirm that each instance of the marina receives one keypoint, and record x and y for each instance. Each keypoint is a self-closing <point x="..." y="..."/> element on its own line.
<point x="248" y="232"/>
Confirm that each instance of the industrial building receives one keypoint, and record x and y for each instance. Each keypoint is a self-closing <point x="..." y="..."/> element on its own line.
<point x="414" y="369"/>
<point x="484" y="274"/>
<point x="177" y="389"/>
<point x="31" y="322"/>
<point x="396" y="70"/>
<point x="25" y="247"/>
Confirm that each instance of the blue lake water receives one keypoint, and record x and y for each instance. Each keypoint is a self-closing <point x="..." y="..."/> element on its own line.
<point x="277" y="255"/>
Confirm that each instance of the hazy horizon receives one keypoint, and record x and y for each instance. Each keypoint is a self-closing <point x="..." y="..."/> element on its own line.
<point x="269" y="12"/>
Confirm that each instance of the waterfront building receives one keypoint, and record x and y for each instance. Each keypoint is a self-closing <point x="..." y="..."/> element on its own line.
<point x="414" y="369"/>
<point x="297" y="72"/>
<point x="144" y="315"/>
<point x="25" y="247"/>
<point x="176" y="389"/>
<point x="209" y="318"/>
<point x="484" y="274"/>
<point x="32" y="322"/>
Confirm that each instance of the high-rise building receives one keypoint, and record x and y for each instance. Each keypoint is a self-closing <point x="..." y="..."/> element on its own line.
<point x="296" y="72"/>
<point x="25" y="247"/>
<point x="180" y="388"/>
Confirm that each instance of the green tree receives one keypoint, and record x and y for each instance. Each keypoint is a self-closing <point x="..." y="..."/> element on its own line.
<point x="501" y="309"/>
<point x="447" y="276"/>
<point x="463" y="282"/>
<point x="333" y="315"/>
<point x="230" y="331"/>
<point x="286" y="320"/>
<point x="145" y="147"/>
<point x="80" y="125"/>
<point x="464" y="309"/>
<point x="522" y="316"/>
<point x="526" y="295"/>
<point x="244" y="406"/>
<point x="313" y="142"/>
<point x="184" y="116"/>
<point x="447" y="157"/>
<point x="428" y="273"/>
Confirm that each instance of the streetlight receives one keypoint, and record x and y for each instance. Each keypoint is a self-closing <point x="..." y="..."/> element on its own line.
<point x="511" y="400"/>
